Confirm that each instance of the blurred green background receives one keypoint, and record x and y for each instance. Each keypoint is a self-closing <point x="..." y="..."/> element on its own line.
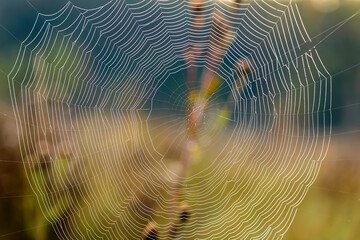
<point x="330" y="211"/>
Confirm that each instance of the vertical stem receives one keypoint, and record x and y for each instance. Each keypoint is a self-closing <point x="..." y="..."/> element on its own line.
<point x="185" y="157"/>
<point x="196" y="110"/>
<point x="191" y="79"/>
<point x="195" y="116"/>
<point x="177" y="193"/>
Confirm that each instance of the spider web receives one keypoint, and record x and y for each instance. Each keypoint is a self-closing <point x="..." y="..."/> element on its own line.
<point x="100" y="99"/>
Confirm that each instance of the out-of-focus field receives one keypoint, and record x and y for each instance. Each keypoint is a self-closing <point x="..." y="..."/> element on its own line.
<point x="330" y="211"/>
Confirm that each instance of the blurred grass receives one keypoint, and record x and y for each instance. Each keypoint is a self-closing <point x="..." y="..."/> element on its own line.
<point x="330" y="211"/>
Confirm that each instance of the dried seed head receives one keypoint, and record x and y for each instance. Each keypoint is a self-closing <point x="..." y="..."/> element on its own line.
<point x="243" y="66"/>
<point x="197" y="6"/>
<point x="151" y="231"/>
<point x="233" y="1"/>
<point x="184" y="212"/>
<point x="222" y="32"/>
